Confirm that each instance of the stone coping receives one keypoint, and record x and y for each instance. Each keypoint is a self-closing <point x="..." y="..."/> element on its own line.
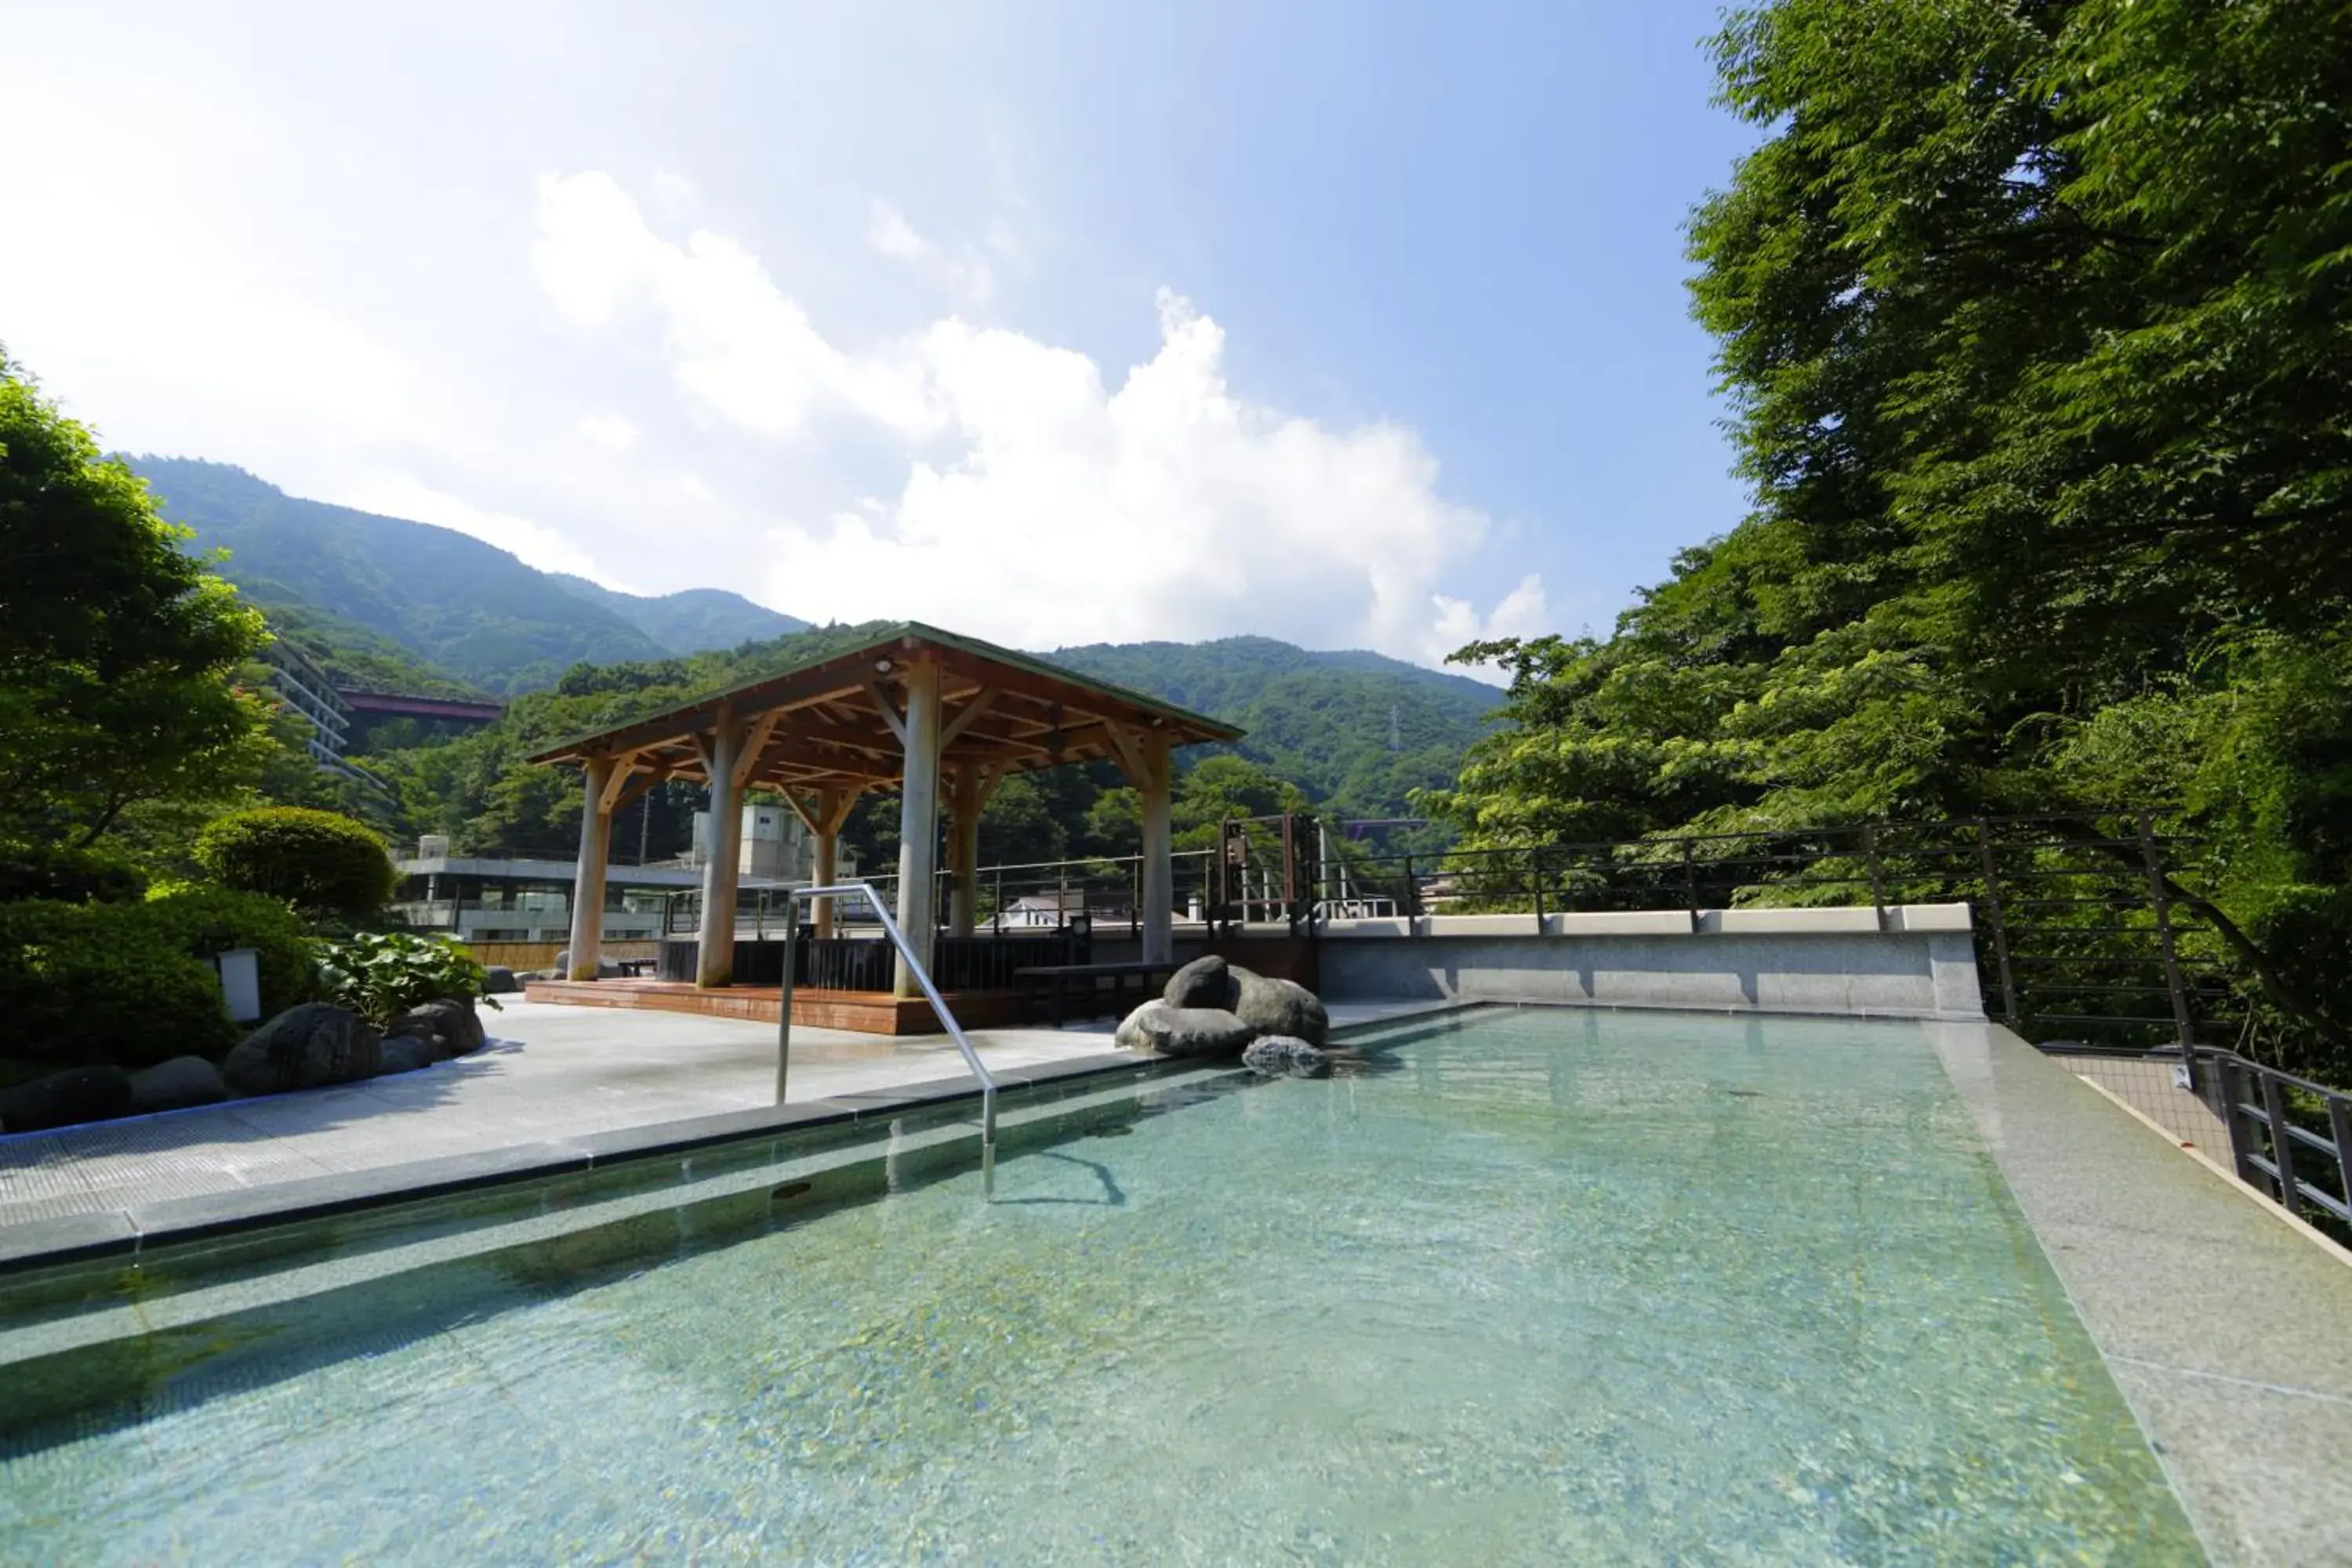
<point x="39" y="1244"/>
<point x="1895" y="919"/>
<point x="132" y="1229"/>
<point x="2225" y="1330"/>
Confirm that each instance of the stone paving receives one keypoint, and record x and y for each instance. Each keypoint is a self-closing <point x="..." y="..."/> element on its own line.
<point x="551" y="1072"/>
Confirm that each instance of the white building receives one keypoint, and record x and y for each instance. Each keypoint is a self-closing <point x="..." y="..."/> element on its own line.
<point x="303" y="685"/>
<point x="776" y="845"/>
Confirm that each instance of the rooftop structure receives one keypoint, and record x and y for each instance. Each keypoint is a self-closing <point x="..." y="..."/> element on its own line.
<point x="919" y="708"/>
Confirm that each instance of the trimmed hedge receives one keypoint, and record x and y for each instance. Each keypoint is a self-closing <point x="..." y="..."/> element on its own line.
<point x="127" y="984"/>
<point x="320" y="862"/>
<point x="202" y="919"/>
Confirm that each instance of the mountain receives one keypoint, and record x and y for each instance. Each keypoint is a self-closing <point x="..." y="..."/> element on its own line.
<point x="1356" y="729"/>
<point x="466" y="606"/>
<point x="691" y="620"/>
<point x="382" y="601"/>
<point x="483" y="616"/>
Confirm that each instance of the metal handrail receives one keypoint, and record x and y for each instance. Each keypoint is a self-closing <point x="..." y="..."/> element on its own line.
<point x="2274" y="1168"/>
<point x="930" y="991"/>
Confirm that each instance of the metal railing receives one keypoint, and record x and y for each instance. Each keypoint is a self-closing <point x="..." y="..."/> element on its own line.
<point x="922" y="979"/>
<point x="1010" y="900"/>
<point x="2284" y="1114"/>
<point x="2088" y="928"/>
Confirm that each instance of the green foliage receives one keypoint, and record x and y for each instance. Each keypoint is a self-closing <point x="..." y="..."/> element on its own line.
<point x="354" y="655"/>
<point x="2034" y="319"/>
<point x="86" y="984"/>
<point x="379" y="975"/>
<point x="127" y="984"/>
<point x="1355" y="731"/>
<point x="1321" y="720"/>
<point x="60" y="875"/>
<point x="318" y="861"/>
<point x="200" y="919"/>
<point x="116" y="646"/>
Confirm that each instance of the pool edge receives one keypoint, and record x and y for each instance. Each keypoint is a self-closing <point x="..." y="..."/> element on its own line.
<point x="2222" y="1330"/>
<point x="128" y="1229"/>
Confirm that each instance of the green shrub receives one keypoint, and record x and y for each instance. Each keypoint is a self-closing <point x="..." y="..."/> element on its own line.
<point x="203" y="920"/>
<point x="382" y="974"/>
<point x="66" y="876"/>
<point x="101" y="982"/>
<point x="127" y="984"/>
<point x="322" y="863"/>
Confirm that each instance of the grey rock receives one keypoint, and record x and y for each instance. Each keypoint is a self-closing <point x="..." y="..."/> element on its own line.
<point x="303" y="1047"/>
<point x="407" y="1053"/>
<point x="1130" y="1035"/>
<point x="606" y="969"/>
<point x="1204" y="983"/>
<point x="1272" y="1007"/>
<point x="450" y="1027"/>
<point x="1284" y="1056"/>
<point x="76" y="1094"/>
<point x="182" y="1081"/>
<point x="1183" y="1031"/>
<point x="502" y="981"/>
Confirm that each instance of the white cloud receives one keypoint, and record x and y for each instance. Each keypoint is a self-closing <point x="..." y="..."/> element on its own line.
<point x="1524" y="612"/>
<point x="535" y="544"/>
<point x="609" y="431"/>
<point x="965" y="272"/>
<point x="889" y="232"/>
<point x="738" y="347"/>
<point x="1041" y="504"/>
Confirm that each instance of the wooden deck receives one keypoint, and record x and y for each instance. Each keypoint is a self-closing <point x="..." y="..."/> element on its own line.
<point x="864" y="1012"/>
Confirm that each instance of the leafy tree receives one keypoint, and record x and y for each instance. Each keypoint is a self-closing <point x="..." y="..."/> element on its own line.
<point x="116" y="646"/>
<point x="2034" y="315"/>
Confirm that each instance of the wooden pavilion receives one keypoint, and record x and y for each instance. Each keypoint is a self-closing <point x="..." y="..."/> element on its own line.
<point x="942" y="718"/>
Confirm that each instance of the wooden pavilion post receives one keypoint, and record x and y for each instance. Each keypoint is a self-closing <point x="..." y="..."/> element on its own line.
<point x="832" y="805"/>
<point x="588" y="879"/>
<point x="1159" y="892"/>
<point x="714" y="962"/>
<point x="967" y="800"/>
<point x="918" y="819"/>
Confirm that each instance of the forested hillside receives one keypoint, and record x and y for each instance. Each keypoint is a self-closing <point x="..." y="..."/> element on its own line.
<point x="1320" y="724"/>
<point x="690" y="620"/>
<point x="1358" y="731"/>
<point x="470" y="607"/>
<point x="2038" y="325"/>
<point x="360" y="658"/>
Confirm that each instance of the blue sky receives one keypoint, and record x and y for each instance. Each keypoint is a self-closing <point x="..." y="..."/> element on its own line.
<point x="1351" y="324"/>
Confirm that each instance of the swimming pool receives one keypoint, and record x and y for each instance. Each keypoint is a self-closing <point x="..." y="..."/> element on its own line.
<point x="1531" y="1286"/>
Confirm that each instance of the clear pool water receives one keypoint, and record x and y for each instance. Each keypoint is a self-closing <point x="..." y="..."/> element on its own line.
<point x="1542" y="1287"/>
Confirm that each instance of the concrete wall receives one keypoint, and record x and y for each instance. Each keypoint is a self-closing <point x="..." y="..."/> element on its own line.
<point x="1918" y="962"/>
